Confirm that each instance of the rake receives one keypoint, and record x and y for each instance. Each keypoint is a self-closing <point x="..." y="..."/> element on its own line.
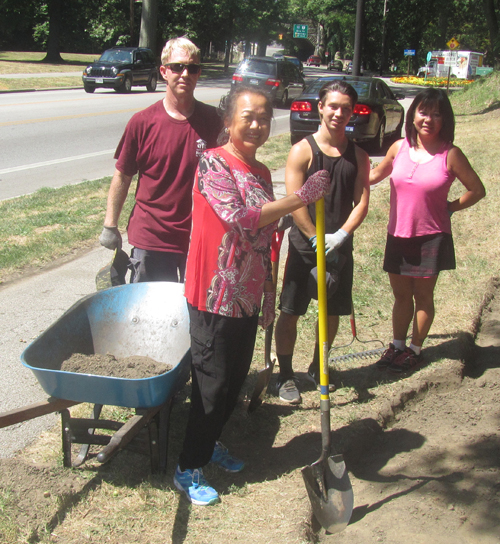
<point x="367" y="354"/>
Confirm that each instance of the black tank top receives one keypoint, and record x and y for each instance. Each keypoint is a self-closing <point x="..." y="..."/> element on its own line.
<point x="339" y="202"/>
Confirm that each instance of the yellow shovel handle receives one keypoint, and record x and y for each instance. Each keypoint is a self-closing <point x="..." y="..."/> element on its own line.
<point x="322" y="304"/>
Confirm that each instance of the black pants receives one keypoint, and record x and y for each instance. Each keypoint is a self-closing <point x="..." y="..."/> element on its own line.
<point x="222" y="350"/>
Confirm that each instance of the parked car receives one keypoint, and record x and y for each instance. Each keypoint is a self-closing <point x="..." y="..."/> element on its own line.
<point x="335" y="66"/>
<point x="279" y="78"/>
<point x="314" y="60"/>
<point x="296" y="61"/>
<point x="120" y="68"/>
<point x="377" y="114"/>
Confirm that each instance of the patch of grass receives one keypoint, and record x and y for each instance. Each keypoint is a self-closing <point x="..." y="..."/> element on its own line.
<point x="274" y="152"/>
<point x="9" y="530"/>
<point x="19" y="84"/>
<point x="481" y="97"/>
<point x="36" y="229"/>
<point x="26" y="62"/>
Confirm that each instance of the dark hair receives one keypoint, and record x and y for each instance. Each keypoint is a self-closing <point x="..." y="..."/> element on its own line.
<point x="340" y="86"/>
<point x="227" y="106"/>
<point x="431" y="98"/>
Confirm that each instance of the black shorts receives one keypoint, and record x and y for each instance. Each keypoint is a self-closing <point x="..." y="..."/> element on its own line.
<point x="420" y="256"/>
<point x="295" y="298"/>
<point x="157" y="266"/>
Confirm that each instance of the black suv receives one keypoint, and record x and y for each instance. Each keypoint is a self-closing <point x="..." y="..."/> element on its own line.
<point x="277" y="77"/>
<point x="121" y="67"/>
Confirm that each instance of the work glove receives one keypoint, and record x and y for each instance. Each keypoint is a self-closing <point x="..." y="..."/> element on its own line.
<point x="285" y="222"/>
<point x="332" y="243"/>
<point x="315" y="187"/>
<point x="268" y="312"/>
<point x="111" y="238"/>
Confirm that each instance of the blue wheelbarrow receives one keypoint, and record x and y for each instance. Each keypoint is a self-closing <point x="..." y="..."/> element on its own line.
<point x="146" y="319"/>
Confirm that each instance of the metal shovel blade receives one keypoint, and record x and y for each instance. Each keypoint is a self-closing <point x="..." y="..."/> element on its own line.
<point x="264" y="376"/>
<point x="113" y="273"/>
<point x="330" y="492"/>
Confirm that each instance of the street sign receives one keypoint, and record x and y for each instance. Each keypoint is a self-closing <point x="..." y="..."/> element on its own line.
<point x="429" y="56"/>
<point x="453" y="44"/>
<point x="300" y="31"/>
<point x="409" y="52"/>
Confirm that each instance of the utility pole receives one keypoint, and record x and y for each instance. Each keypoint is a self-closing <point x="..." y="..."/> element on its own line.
<point x="356" y="61"/>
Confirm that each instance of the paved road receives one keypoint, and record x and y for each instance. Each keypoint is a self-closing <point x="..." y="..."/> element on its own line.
<point x="61" y="137"/>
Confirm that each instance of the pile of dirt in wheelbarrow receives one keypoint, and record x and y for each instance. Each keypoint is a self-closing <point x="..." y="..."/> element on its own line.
<point x="133" y="367"/>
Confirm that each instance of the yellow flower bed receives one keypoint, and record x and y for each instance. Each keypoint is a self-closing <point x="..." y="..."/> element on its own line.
<point x="432" y="81"/>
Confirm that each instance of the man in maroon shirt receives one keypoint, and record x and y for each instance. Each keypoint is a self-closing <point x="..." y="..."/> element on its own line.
<point x="163" y="144"/>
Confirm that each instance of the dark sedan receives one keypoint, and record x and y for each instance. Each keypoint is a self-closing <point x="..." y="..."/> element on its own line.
<point x="376" y="115"/>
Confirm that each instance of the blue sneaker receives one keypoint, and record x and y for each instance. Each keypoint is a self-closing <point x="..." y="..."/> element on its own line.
<point x="225" y="460"/>
<point x="194" y="485"/>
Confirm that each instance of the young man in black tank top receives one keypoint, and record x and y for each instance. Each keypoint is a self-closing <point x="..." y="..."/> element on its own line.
<point x="345" y="208"/>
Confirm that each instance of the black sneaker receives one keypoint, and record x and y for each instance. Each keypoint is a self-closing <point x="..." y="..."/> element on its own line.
<point x="389" y="356"/>
<point x="313" y="376"/>
<point x="288" y="391"/>
<point x="408" y="361"/>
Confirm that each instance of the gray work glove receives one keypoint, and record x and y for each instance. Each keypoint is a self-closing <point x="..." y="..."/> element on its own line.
<point x="111" y="238"/>
<point x="332" y="243"/>
<point x="285" y="222"/>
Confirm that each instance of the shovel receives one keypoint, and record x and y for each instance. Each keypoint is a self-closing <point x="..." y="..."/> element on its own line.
<point x="264" y="376"/>
<point x="326" y="480"/>
<point x="113" y="273"/>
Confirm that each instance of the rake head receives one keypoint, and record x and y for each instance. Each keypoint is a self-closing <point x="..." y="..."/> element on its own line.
<point x="368" y="354"/>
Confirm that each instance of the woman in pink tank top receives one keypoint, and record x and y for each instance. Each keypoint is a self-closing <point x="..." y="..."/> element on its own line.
<point x="419" y="243"/>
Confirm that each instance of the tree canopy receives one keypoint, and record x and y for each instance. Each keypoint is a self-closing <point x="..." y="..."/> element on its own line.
<point x="91" y="26"/>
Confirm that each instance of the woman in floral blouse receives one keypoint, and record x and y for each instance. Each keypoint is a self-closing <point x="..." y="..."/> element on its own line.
<point x="228" y="279"/>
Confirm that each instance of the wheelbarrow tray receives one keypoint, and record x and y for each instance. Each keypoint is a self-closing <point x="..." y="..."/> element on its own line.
<point x="146" y="319"/>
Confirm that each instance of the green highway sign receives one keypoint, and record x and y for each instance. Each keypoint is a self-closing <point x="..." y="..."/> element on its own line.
<point x="300" y="31"/>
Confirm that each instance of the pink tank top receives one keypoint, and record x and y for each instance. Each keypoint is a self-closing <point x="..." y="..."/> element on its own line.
<point x="419" y="194"/>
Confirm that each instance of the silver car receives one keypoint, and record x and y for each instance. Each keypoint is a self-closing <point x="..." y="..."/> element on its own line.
<point x="279" y="78"/>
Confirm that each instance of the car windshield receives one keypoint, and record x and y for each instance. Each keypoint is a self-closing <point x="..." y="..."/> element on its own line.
<point x="116" y="56"/>
<point x="258" y="67"/>
<point x="362" y="87"/>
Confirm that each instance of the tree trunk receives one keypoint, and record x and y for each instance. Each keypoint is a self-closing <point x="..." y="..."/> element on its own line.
<point x="53" y="45"/>
<point x="149" y="22"/>
<point x="360" y="16"/>
<point x="492" y="22"/>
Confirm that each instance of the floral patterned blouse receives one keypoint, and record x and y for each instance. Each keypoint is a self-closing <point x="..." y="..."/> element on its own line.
<point x="229" y="257"/>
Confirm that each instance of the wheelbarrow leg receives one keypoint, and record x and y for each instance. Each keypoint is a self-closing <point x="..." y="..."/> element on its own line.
<point x="67" y="438"/>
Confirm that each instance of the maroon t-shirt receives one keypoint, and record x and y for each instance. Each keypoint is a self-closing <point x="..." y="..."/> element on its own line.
<point x="165" y="152"/>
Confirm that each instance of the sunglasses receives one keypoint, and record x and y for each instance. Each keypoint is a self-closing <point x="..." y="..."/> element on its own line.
<point x="179" y="67"/>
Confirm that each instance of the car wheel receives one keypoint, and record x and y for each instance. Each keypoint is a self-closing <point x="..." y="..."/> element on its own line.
<point x="89" y="88"/>
<point x="151" y="86"/>
<point x="126" y="86"/>
<point x="378" y="143"/>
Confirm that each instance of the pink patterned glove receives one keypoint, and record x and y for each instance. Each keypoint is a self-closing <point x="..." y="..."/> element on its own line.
<point x="315" y="187"/>
<point x="268" y="312"/>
